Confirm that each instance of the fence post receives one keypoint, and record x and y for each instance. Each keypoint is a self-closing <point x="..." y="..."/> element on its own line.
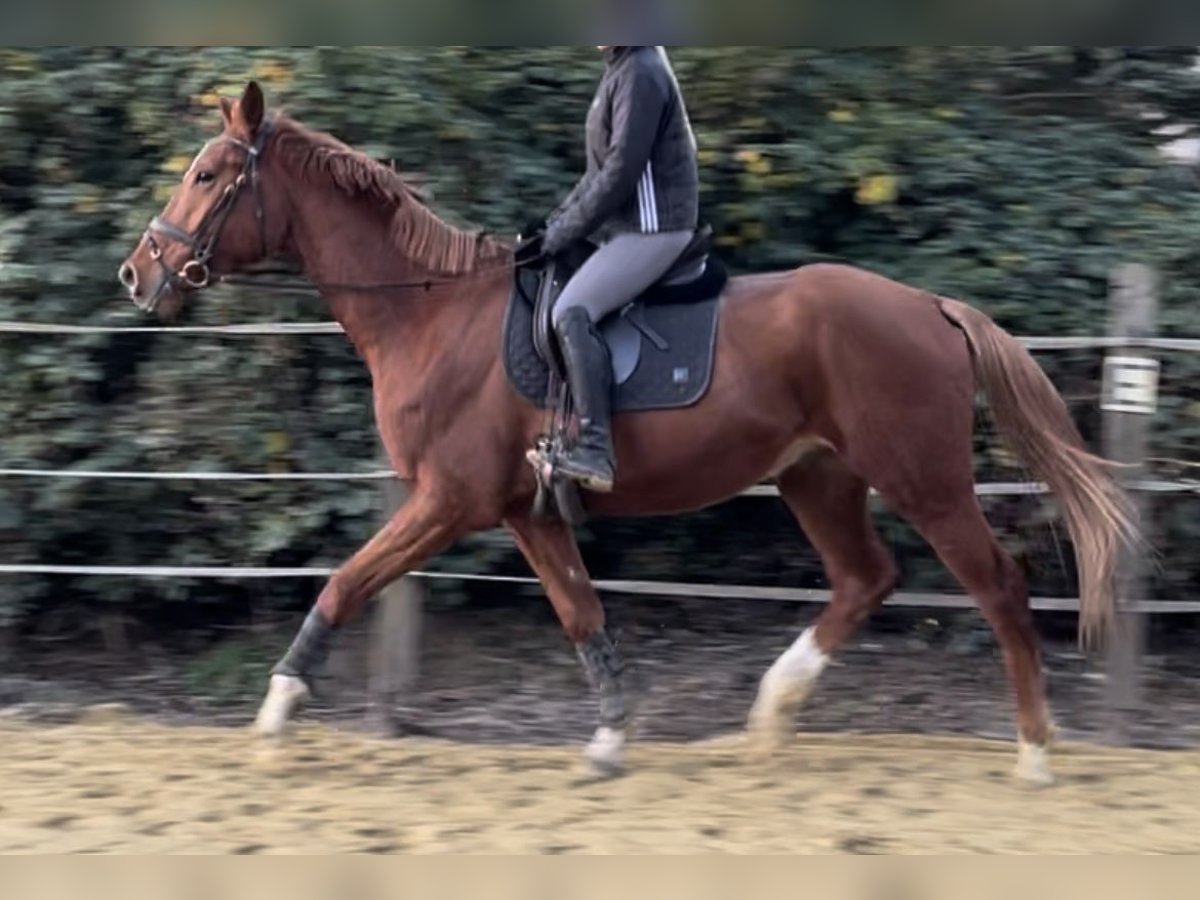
<point x="1129" y="397"/>
<point x="395" y="636"/>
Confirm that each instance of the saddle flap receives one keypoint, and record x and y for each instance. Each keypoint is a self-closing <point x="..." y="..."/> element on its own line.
<point x="624" y="346"/>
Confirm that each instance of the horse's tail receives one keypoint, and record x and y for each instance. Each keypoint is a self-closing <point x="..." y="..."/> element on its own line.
<point x="1032" y="416"/>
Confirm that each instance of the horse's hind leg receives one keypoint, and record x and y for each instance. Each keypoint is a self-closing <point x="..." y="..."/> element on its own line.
<point x="959" y="533"/>
<point x="552" y="553"/>
<point x="830" y="503"/>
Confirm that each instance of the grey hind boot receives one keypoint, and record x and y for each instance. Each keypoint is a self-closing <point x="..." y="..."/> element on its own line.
<point x="589" y="375"/>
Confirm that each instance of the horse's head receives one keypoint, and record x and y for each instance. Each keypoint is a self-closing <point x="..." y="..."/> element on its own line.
<point x="219" y="219"/>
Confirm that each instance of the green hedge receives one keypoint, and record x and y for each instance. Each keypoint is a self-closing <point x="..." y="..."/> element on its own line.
<point x="1012" y="177"/>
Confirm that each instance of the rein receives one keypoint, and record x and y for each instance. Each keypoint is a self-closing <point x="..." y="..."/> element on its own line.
<point x="285" y="280"/>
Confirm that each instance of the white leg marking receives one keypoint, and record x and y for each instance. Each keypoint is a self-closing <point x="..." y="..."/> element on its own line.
<point x="284" y="696"/>
<point x="786" y="685"/>
<point x="1033" y="765"/>
<point x="606" y="752"/>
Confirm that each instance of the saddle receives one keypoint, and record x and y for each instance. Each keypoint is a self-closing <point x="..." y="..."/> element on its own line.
<point x="661" y="344"/>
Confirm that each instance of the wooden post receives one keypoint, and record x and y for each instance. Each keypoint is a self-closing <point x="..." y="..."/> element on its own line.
<point x="1129" y="399"/>
<point x="395" y="637"/>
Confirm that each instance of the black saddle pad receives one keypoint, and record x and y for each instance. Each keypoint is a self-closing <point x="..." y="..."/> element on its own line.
<point x="647" y="374"/>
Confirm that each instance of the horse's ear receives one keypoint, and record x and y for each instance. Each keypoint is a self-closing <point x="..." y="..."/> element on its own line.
<point x="252" y="107"/>
<point x="226" y="111"/>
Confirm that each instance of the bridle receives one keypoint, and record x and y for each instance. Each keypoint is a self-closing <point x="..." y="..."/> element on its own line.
<point x="195" y="273"/>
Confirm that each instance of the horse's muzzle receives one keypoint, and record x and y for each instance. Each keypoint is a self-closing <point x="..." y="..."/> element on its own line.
<point x="146" y="297"/>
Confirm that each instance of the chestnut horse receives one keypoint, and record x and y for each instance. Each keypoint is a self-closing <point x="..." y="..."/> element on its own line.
<point x="829" y="380"/>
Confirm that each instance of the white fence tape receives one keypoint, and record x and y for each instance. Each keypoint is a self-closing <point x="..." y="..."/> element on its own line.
<point x="91" y="474"/>
<point x="642" y="588"/>
<point x="997" y="489"/>
<point x="293" y="328"/>
<point x="245" y="330"/>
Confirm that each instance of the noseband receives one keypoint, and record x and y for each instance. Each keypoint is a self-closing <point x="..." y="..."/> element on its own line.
<point x="195" y="274"/>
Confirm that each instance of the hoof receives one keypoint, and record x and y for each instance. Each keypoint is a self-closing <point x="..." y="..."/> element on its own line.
<point x="766" y="737"/>
<point x="782" y="691"/>
<point x="771" y="723"/>
<point x="284" y="696"/>
<point x="1033" y="766"/>
<point x="606" y="753"/>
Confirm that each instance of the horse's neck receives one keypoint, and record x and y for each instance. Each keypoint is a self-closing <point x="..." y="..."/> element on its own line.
<point x="338" y="243"/>
<point x="424" y="346"/>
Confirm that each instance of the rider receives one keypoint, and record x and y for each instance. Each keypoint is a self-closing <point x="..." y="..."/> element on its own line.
<point x="639" y="202"/>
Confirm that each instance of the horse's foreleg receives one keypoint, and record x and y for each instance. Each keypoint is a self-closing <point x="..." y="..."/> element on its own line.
<point x="551" y="551"/>
<point x="421" y="528"/>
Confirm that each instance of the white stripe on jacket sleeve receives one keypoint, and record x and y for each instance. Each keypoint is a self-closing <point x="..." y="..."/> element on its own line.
<point x="647" y="202"/>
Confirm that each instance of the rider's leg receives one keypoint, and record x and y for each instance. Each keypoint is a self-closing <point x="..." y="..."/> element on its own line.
<point x="620" y="270"/>
<point x="614" y="275"/>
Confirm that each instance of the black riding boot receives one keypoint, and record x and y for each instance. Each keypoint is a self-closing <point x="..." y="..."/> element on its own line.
<point x="589" y="374"/>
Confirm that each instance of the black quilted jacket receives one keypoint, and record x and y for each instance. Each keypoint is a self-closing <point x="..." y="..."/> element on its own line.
<point x="641" y="174"/>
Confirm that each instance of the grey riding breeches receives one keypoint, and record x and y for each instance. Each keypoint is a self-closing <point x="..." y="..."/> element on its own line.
<point x="620" y="270"/>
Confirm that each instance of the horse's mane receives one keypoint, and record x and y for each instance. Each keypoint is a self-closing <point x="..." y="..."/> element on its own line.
<point x="417" y="231"/>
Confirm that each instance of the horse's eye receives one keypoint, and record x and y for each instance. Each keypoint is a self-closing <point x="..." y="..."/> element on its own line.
<point x="205" y="177"/>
